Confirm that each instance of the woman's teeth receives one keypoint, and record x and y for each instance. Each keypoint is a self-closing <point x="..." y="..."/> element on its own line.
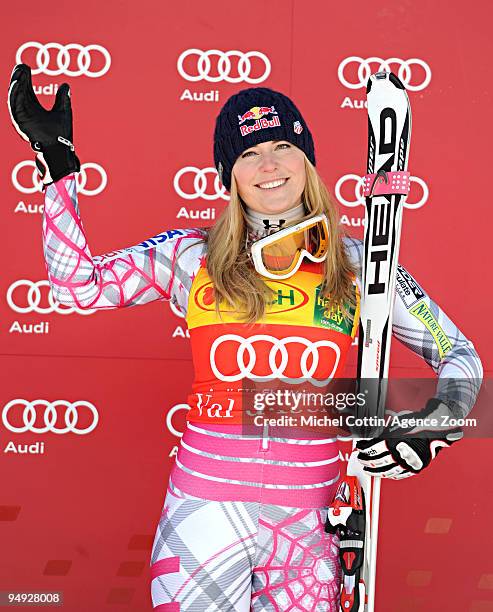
<point x="272" y="184"/>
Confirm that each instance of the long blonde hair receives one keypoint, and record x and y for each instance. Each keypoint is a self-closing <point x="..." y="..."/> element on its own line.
<point x="233" y="275"/>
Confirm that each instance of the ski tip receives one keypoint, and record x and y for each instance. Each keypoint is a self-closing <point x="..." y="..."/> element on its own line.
<point x="383" y="75"/>
<point x="378" y="76"/>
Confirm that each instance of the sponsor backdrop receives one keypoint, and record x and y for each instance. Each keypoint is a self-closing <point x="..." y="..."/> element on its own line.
<point x="92" y="404"/>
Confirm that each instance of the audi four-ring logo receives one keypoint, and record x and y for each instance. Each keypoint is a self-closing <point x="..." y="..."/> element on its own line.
<point x="370" y="65"/>
<point x="32" y="301"/>
<point x="358" y="192"/>
<point x="279" y="346"/>
<point x="200" y="184"/>
<point x="224" y="66"/>
<point x="50" y="412"/>
<point x="63" y="58"/>
<point x="81" y="177"/>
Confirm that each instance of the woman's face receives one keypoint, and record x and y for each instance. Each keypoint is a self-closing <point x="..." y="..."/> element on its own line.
<point x="271" y="176"/>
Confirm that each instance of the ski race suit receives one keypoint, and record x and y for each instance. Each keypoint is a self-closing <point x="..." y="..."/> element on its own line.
<point x="243" y="520"/>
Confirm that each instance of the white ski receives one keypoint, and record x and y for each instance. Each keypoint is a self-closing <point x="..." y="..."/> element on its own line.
<point x="386" y="186"/>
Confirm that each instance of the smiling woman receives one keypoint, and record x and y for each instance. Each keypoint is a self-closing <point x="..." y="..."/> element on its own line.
<point x="242" y="526"/>
<point x="269" y="168"/>
<point x="270" y="176"/>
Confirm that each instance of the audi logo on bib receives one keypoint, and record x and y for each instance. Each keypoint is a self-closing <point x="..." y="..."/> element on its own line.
<point x="33" y="300"/>
<point x="201" y="189"/>
<point x="292" y="359"/>
<point x="35" y="183"/>
<point x="222" y="68"/>
<point x="59" y="416"/>
<point x="359" y="199"/>
<point x="83" y="62"/>
<point x="414" y="72"/>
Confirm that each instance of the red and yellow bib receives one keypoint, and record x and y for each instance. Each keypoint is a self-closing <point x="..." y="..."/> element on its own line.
<point x="298" y="340"/>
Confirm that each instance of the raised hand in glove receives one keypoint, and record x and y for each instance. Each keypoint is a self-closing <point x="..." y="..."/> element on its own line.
<point x="48" y="131"/>
<point x="405" y="449"/>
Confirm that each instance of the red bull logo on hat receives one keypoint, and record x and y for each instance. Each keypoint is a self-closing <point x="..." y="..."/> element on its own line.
<point x="257" y="114"/>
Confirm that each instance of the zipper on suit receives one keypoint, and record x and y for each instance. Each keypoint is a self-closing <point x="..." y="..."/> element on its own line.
<point x="265" y="437"/>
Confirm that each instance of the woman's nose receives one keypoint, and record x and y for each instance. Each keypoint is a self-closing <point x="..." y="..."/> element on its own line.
<point x="268" y="162"/>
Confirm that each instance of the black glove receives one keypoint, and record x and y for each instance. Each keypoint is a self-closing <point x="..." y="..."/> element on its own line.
<point x="48" y="131"/>
<point x="398" y="453"/>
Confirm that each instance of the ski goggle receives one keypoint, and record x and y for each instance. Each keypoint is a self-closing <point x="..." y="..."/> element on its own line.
<point x="280" y="255"/>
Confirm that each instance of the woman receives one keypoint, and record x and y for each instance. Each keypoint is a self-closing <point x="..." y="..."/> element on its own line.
<point x="243" y="520"/>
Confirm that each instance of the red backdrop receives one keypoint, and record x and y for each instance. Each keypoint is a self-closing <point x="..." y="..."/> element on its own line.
<point x="148" y="79"/>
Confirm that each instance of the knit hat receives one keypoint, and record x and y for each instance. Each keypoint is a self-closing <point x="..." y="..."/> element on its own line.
<point x="253" y="116"/>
